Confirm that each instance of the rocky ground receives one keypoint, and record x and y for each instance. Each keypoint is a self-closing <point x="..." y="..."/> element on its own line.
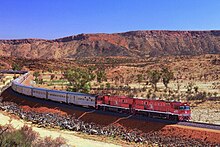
<point x="70" y="122"/>
<point x="208" y="111"/>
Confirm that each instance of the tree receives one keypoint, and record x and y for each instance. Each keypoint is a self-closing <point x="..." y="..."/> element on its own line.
<point x="215" y="94"/>
<point x="140" y="78"/>
<point x="79" y="80"/>
<point x="196" y="88"/>
<point x="154" y="77"/>
<point x="86" y="88"/>
<point x="166" y="75"/>
<point x="108" y="85"/>
<point x="52" y="77"/>
<point x="101" y="76"/>
<point x="36" y="74"/>
<point x="16" y="66"/>
<point x="189" y="87"/>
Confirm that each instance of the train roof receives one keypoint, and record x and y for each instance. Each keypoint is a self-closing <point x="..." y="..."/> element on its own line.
<point x="57" y="91"/>
<point x="40" y="88"/>
<point x="21" y="85"/>
<point x="159" y="100"/>
<point x="26" y="86"/>
<point x="81" y="94"/>
<point x="122" y="97"/>
<point x="74" y="93"/>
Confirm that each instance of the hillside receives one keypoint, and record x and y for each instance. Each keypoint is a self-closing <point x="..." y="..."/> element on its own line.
<point x="129" y="44"/>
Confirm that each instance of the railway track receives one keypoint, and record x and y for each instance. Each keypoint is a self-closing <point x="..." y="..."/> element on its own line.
<point x="200" y="125"/>
<point x="24" y="100"/>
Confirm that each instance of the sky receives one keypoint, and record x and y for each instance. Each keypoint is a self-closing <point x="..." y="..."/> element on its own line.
<point x="50" y="19"/>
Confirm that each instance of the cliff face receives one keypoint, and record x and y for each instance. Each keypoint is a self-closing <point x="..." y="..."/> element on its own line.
<point x="131" y="44"/>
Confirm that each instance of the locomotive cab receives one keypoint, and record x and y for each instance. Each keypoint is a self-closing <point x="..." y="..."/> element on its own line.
<point x="184" y="112"/>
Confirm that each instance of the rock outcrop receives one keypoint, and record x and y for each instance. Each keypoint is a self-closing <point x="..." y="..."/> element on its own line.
<point x="137" y="44"/>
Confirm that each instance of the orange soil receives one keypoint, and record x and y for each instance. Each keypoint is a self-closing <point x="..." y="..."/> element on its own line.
<point x="43" y="110"/>
<point x="192" y="132"/>
<point x="99" y="118"/>
<point x="206" y="135"/>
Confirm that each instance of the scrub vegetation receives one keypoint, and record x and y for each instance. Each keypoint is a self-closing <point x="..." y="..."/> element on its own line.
<point x="25" y="137"/>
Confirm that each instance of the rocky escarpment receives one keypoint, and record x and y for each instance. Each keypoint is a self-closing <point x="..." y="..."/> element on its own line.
<point x="129" y="44"/>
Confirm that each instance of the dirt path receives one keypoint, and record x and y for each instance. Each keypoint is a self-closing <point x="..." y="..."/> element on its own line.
<point x="71" y="139"/>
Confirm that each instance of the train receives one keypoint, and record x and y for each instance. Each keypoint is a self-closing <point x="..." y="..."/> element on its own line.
<point x="171" y="110"/>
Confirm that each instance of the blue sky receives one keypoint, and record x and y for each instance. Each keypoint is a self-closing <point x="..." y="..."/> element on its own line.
<point x="51" y="19"/>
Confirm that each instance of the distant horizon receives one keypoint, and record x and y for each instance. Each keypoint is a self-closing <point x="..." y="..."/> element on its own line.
<point x="110" y="33"/>
<point x="56" y="19"/>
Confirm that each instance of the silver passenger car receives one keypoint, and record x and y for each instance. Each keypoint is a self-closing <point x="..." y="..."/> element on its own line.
<point x="86" y="100"/>
<point x="40" y="93"/>
<point x="55" y="95"/>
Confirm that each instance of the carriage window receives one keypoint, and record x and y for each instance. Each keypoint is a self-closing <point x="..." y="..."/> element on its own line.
<point x="187" y="107"/>
<point x="181" y="107"/>
<point x="184" y="107"/>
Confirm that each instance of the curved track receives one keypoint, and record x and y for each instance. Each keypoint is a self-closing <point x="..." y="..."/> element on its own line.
<point x="91" y="115"/>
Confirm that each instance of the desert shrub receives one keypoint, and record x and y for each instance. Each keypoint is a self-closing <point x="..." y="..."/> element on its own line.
<point x="144" y="89"/>
<point x="25" y="137"/>
<point x="22" y="137"/>
<point x="196" y="88"/>
<point x="49" y="142"/>
<point x="28" y="133"/>
<point x="189" y="87"/>
<point x="215" y="94"/>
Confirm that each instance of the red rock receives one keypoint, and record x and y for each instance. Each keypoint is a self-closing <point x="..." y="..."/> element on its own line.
<point x="137" y="44"/>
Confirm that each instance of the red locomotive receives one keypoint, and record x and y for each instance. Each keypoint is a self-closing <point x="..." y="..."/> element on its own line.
<point x="151" y="108"/>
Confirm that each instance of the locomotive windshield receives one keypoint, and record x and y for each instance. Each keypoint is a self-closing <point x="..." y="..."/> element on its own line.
<point x="184" y="108"/>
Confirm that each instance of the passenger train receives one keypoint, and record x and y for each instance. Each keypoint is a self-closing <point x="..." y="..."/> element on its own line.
<point x="122" y="104"/>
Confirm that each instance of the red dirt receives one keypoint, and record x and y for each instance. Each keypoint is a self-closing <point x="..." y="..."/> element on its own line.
<point x="174" y="130"/>
<point x="99" y="118"/>
<point x="42" y="110"/>
<point x="206" y="135"/>
<point x="144" y="126"/>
